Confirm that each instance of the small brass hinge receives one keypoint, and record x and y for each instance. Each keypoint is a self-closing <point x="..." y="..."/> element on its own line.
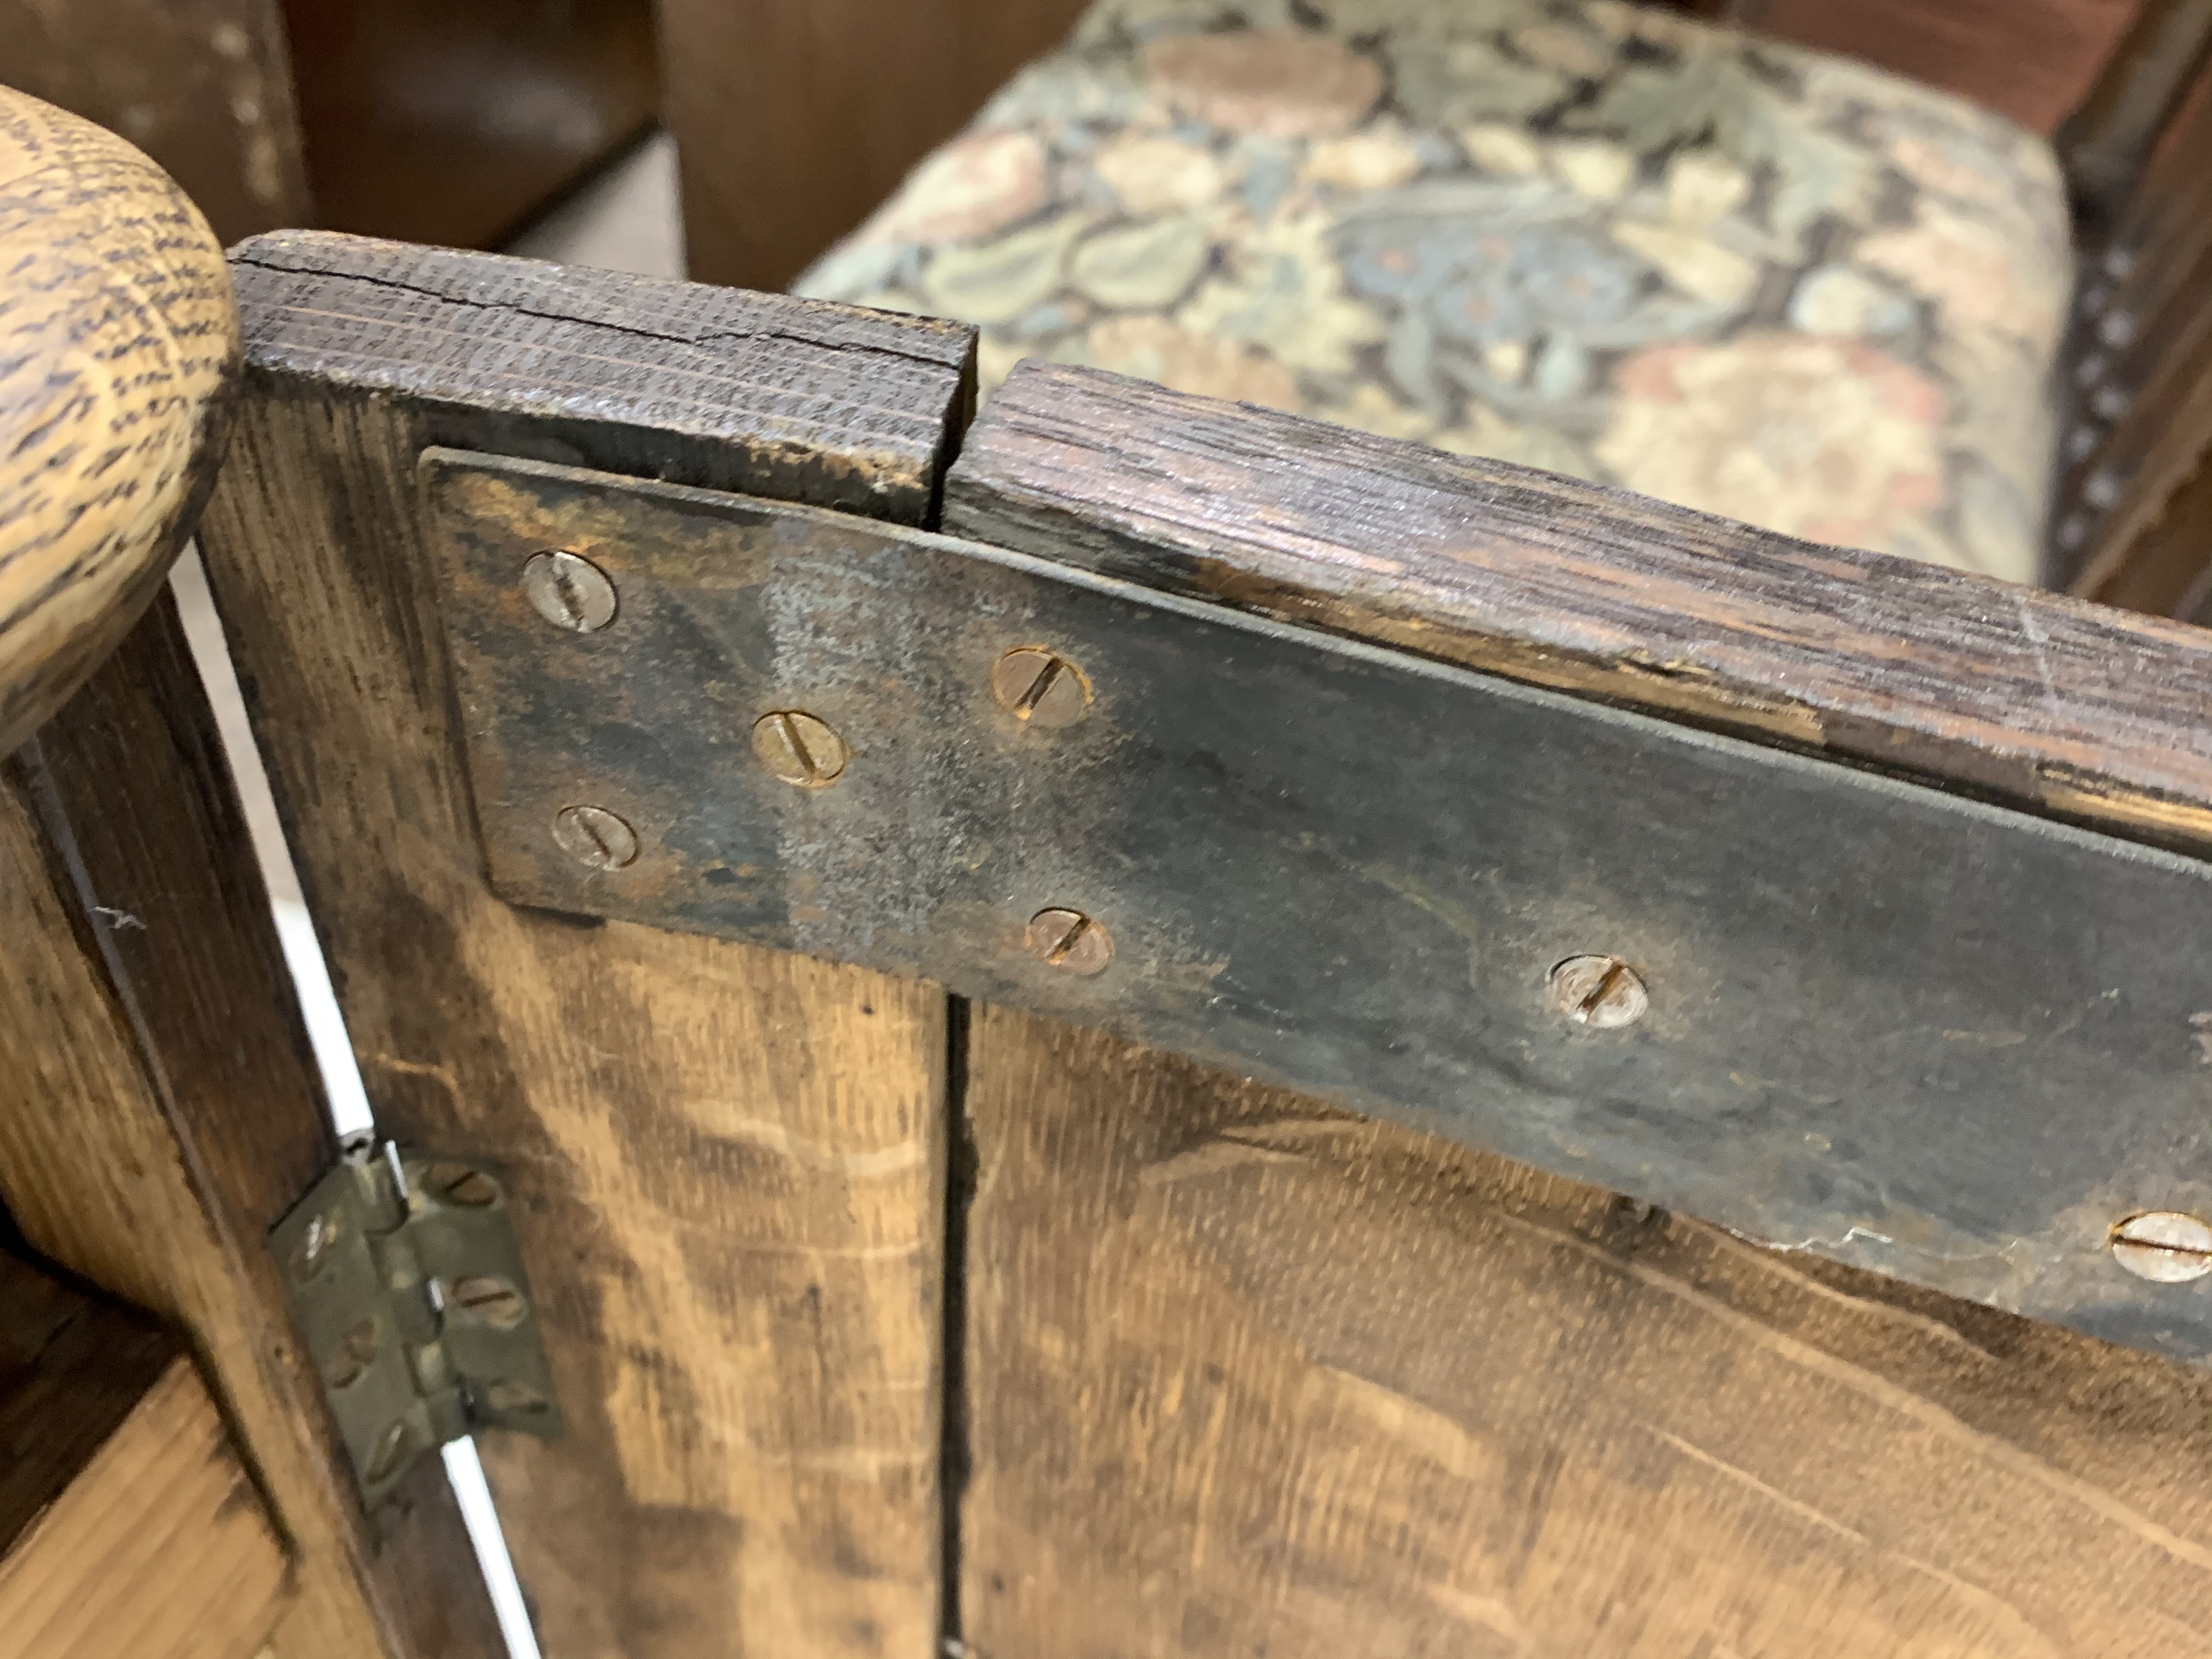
<point x="407" y="1286"/>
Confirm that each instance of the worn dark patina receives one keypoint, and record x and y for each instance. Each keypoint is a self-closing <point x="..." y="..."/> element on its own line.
<point x="1920" y="1033"/>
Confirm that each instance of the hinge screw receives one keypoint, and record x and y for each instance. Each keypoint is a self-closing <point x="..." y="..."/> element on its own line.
<point x="391" y="1449"/>
<point x="799" y="748"/>
<point x="1069" y="940"/>
<point x="594" y="836"/>
<point x="313" y="1252"/>
<point x="1040" y="686"/>
<point x="503" y="1395"/>
<point x="457" y="1183"/>
<point x="493" y="1300"/>
<point x="352" y="1357"/>
<point x="2164" y="1245"/>
<point x="569" y="592"/>
<point x="1600" y="991"/>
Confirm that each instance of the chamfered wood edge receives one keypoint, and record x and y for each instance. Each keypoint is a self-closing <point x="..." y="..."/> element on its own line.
<point x="158" y="1547"/>
<point x="790" y="399"/>
<point x="122" y="356"/>
<point x="71" y="1364"/>
<point x="2075" y="709"/>
<point x="127" y="1521"/>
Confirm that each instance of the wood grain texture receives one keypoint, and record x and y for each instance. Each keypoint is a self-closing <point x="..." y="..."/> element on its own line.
<point x="122" y="347"/>
<point x="724" y="1163"/>
<point x="1245" y="1375"/>
<point x="128" y="1524"/>
<point x="72" y="1369"/>
<point x="2091" y="713"/>
<point x="2033" y="60"/>
<point x="161" y="1112"/>
<point x="203" y="86"/>
<point x="787" y="398"/>
<point x="794" y="123"/>
<point x="2105" y="141"/>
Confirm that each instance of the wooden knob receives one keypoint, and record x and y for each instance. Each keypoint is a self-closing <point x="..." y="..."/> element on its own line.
<point x="118" y="354"/>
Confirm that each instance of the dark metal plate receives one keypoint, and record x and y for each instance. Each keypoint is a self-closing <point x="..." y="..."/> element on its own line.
<point x="1940" y="1039"/>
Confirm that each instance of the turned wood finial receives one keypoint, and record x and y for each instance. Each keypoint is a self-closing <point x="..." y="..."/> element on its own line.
<point x="118" y="351"/>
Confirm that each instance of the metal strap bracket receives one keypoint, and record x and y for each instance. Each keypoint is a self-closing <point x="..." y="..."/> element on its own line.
<point x="1828" y="1010"/>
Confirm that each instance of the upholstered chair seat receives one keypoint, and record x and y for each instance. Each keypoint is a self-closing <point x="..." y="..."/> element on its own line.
<point x="1595" y="238"/>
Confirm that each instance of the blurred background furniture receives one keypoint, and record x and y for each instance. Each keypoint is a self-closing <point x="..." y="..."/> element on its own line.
<point x="462" y="127"/>
<point x="1610" y="241"/>
<point x="408" y="119"/>
<point x="836" y="100"/>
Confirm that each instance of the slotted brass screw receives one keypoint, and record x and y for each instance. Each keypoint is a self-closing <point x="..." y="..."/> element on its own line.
<point x="503" y="1395"/>
<point x="569" y="591"/>
<point x="1040" y="686"/>
<point x="492" y="1300"/>
<point x="804" y="751"/>
<point x="594" y="837"/>
<point x="1599" y="991"/>
<point x="1070" y="941"/>
<point x="391" y="1449"/>
<point x="2164" y="1245"/>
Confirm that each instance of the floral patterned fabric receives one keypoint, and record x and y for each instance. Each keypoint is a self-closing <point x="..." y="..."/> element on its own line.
<point x="1605" y="240"/>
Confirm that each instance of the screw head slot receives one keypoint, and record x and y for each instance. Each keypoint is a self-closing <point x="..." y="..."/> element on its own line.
<point x="801" y="749"/>
<point x="594" y="837"/>
<point x="2164" y="1246"/>
<point x="1599" y="991"/>
<point x="1041" y="687"/>
<point x="569" y="591"/>
<point x="1070" y="941"/>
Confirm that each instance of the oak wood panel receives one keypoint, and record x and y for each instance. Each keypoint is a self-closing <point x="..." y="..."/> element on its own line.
<point x="127" y="1523"/>
<point x="725" y="1165"/>
<point x="2169" y="573"/>
<point x="431" y="121"/>
<point x="122" y="347"/>
<point x="2033" y="60"/>
<point x="162" y="1111"/>
<point x="2105" y="141"/>
<point x="794" y="123"/>
<point x="2090" y="712"/>
<point x="204" y="87"/>
<point x="2140" y="404"/>
<point x="1246" y="1375"/>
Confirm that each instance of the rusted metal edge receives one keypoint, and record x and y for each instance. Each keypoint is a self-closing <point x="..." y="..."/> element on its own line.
<point x="1926" y="1035"/>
